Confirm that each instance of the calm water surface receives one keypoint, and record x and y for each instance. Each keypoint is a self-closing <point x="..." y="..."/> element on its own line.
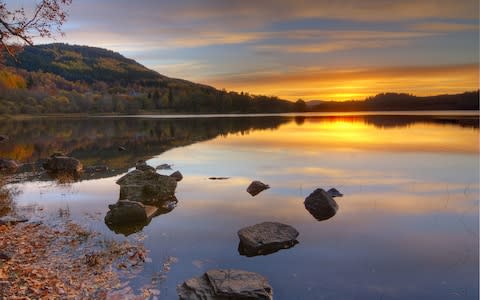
<point x="407" y="226"/>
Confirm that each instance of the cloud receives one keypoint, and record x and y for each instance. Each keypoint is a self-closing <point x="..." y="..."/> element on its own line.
<point x="346" y="84"/>
<point x="330" y="46"/>
<point x="444" y="27"/>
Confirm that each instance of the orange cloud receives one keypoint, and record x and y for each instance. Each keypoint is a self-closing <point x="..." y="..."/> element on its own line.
<point x="346" y="84"/>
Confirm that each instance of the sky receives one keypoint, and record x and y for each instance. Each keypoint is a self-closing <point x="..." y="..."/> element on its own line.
<point x="308" y="49"/>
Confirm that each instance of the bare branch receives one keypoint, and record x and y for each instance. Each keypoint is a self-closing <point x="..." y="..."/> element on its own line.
<point x="16" y="28"/>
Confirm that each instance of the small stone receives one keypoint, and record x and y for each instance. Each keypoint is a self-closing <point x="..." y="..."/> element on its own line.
<point x="177" y="176"/>
<point x="164" y="167"/>
<point x="8" y="165"/>
<point x="256" y="187"/>
<point x="333" y="192"/>
<point x="321" y="205"/>
<point x="218" y="178"/>
<point x="121" y="148"/>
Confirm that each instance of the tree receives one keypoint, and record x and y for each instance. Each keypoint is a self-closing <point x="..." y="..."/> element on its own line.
<point x="300" y="106"/>
<point x="18" y="28"/>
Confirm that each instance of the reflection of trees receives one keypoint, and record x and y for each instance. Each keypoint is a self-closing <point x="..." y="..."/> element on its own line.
<point x="6" y="197"/>
<point x="96" y="140"/>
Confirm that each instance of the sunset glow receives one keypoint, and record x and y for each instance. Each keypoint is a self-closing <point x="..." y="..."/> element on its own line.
<point x="322" y="50"/>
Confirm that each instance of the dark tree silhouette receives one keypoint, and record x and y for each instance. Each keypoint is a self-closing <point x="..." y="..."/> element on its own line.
<point x="18" y="28"/>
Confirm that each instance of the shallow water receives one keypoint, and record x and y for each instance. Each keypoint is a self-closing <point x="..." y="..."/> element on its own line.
<point x="406" y="228"/>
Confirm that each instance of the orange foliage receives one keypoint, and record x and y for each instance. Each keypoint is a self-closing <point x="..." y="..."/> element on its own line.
<point x="11" y="81"/>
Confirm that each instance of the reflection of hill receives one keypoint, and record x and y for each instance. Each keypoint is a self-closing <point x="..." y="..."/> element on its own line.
<point x="96" y="140"/>
<point x="392" y="121"/>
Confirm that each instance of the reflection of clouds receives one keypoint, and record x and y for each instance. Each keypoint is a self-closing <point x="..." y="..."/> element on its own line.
<point x="394" y="198"/>
<point x="354" y="135"/>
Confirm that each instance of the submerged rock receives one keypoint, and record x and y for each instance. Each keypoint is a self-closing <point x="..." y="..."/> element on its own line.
<point x="333" y="192"/>
<point x="321" y="205"/>
<point x="3" y="138"/>
<point x="256" y="187"/>
<point x="177" y="176"/>
<point x="96" y="169"/>
<point x="218" y="178"/>
<point x="121" y="148"/>
<point x="147" y="187"/>
<point x="164" y="167"/>
<point x="8" y="165"/>
<point x="59" y="163"/>
<point x="266" y="238"/>
<point x="230" y="284"/>
<point x="10" y="220"/>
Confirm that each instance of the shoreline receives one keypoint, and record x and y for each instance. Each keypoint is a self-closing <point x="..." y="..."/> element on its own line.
<point x="22" y="117"/>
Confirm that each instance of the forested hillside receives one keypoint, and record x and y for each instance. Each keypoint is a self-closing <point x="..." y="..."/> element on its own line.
<point x="60" y="78"/>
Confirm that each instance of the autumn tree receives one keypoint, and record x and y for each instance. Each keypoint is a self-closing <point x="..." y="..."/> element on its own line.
<point x="18" y="27"/>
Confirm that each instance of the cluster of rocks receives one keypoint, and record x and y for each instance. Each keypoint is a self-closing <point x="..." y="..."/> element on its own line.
<point x="144" y="194"/>
<point x="259" y="239"/>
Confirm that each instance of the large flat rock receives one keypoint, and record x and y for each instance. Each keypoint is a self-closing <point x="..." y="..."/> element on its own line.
<point x="266" y="238"/>
<point x="230" y="284"/>
<point x="147" y="187"/>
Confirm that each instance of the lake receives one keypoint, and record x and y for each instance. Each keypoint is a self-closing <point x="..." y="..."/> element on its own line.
<point x="407" y="226"/>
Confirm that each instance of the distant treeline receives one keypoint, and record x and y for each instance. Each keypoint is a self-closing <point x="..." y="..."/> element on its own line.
<point x="398" y="102"/>
<point x="61" y="78"/>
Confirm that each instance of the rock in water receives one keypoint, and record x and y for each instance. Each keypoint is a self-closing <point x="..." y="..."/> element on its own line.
<point x="121" y="148"/>
<point x="164" y="167"/>
<point x="8" y="165"/>
<point x="266" y="238"/>
<point x="58" y="163"/>
<point x="127" y="217"/>
<point x="256" y="187"/>
<point x="231" y="284"/>
<point x="177" y="176"/>
<point x="9" y="220"/>
<point x="125" y="211"/>
<point x="142" y="166"/>
<point x="321" y="205"/>
<point x="218" y="178"/>
<point x="3" y="138"/>
<point x="147" y="187"/>
<point x="333" y="192"/>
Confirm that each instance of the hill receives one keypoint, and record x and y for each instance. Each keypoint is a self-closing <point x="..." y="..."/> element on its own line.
<point x="61" y="78"/>
<point x="89" y="64"/>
